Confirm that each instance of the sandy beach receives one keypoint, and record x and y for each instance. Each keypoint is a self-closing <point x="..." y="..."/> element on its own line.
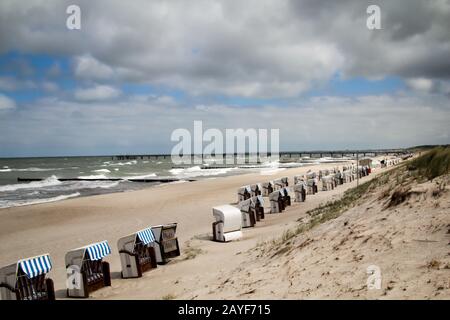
<point x="58" y="227"/>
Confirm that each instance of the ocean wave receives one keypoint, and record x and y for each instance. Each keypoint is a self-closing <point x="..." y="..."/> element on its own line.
<point x="197" y="171"/>
<point x="93" y="177"/>
<point x="27" y="202"/>
<point x="51" y="181"/>
<point x="115" y="164"/>
<point x="5" y="170"/>
<point x="34" y="169"/>
<point x="102" y="170"/>
<point x="78" y="185"/>
<point x="150" y="175"/>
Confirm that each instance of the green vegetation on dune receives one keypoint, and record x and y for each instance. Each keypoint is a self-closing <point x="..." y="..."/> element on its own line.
<point x="432" y="164"/>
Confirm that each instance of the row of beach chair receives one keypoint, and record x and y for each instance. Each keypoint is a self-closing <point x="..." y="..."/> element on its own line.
<point x="86" y="270"/>
<point x="229" y="219"/>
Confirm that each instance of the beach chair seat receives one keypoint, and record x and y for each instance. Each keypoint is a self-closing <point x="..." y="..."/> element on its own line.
<point x="86" y="270"/>
<point x="137" y="253"/>
<point x="166" y="242"/>
<point x="26" y="280"/>
<point x="228" y="224"/>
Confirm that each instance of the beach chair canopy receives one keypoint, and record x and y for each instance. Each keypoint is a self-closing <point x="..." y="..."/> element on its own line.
<point x="146" y="236"/>
<point x="231" y="217"/>
<point x="33" y="267"/>
<point x="267" y="184"/>
<point x="278" y="182"/>
<point x="243" y="189"/>
<point x="98" y="251"/>
<point x="94" y="251"/>
<point x="274" y="196"/>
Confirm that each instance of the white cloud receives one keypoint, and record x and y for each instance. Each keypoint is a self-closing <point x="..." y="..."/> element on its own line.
<point x="420" y="84"/>
<point x="90" y="68"/>
<point x="99" y="92"/>
<point x="138" y="126"/>
<point x="6" y="103"/>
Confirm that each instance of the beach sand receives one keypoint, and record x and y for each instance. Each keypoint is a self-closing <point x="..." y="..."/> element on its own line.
<point x="58" y="227"/>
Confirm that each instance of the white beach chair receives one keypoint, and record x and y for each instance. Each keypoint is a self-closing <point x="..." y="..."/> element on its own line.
<point x="228" y="224"/>
<point x="26" y="280"/>
<point x="244" y="193"/>
<point x="256" y="189"/>
<point x="248" y="215"/>
<point x="300" y="191"/>
<point x="137" y="253"/>
<point x="86" y="270"/>
<point x="327" y="183"/>
<point x="267" y="188"/>
<point x="276" y="202"/>
<point x="257" y="204"/>
<point x="278" y="184"/>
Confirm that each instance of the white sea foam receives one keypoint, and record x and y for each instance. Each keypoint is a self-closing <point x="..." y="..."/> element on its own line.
<point x="78" y="185"/>
<point x="145" y="176"/>
<point x="197" y="171"/>
<point x="18" y="203"/>
<point x="35" y="169"/>
<point x="5" y="170"/>
<point x="102" y="170"/>
<point x="51" y="181"/>
<point x="93" y="177"/>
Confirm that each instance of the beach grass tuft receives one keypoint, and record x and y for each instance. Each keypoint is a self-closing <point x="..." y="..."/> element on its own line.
<point x="432" y="164"/>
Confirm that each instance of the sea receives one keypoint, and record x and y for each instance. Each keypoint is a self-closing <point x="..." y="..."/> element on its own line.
<point x="95" y="172"/>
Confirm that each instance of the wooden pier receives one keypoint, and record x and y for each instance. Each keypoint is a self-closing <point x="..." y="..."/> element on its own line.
<point x="282" y="154"/>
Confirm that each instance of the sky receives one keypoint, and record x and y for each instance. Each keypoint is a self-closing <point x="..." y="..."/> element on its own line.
<point x="137" y="70"/>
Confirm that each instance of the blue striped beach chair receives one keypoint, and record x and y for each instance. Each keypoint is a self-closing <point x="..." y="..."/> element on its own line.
<point x="137" y="253"/>
<point x="26" y="280"/>
<point x="86" y="270"/>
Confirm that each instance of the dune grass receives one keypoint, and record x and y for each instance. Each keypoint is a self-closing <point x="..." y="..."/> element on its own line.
<point x="432" y="164"/>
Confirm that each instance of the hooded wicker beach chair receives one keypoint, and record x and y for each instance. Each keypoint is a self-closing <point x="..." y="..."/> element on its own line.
<point x="166" y="242"/>
<point x="26" y="280"/>
<point x="86" y="270"/>
<point x="267" y="188"/>
<point x="257" y="204"/>
<point x="256" y="189"/>
<point x="300" y="191"/>
<point x="137" y="253"/>
<point x="248" y="214"/>
<point x="244" y="193"/>
<point x="228" y="224"/>
<point x="276" y="202"/>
